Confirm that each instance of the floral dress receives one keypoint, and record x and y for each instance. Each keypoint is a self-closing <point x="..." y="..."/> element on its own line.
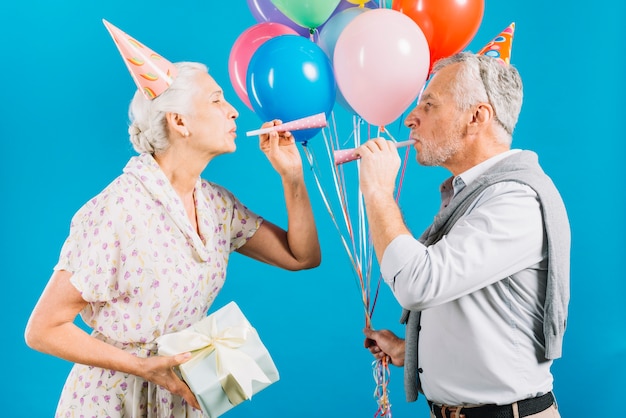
<point x="145" y="271"/>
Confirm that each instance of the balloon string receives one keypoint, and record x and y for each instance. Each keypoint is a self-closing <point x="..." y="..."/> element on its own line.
<point x="338" y="177"/>
<point x="338" y="173"/>
<point x="311" y="160"/>
<point x="362" y="234"/>
<point x="340" y="187"/>
<point x="361" y="222"/>
<point x="339" y="181"/>
<point x="360" y="251"/>
<point x="381" y="392"/>
<point x="367" y="242"/>
<point x="355" y="237"/>
<point x="359" y="242"/>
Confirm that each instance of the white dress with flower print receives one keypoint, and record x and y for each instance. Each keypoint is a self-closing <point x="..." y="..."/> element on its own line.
<point x="145" y="272"/>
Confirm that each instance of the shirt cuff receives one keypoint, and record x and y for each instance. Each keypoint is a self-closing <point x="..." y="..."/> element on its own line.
<point x="398" y="253"/>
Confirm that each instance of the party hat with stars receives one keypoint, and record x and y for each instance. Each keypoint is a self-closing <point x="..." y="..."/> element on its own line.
<point x="500" y="46"/>
<point x="152" y="73"/>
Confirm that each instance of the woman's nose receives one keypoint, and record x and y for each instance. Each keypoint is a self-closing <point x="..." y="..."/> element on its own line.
<point x="233" y="114"/>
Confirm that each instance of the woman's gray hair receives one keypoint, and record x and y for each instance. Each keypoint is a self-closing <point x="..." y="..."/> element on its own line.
<point x="486" y="79"/>
<point x="148" y="127"/>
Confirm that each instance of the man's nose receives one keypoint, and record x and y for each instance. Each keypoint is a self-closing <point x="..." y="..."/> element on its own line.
<point x="412" y="120"/>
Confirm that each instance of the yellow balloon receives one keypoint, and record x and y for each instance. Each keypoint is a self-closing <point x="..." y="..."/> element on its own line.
<point x="361" y="3"/>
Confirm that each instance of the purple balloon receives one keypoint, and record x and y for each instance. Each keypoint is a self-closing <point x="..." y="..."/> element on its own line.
<point x="265" y="11"/>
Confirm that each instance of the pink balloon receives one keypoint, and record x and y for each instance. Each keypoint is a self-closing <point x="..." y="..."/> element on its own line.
<point x="381" y="63"/>
<point x="244" y="47"/>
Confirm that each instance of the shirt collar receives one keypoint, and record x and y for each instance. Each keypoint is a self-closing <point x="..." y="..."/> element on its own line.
<point x="467" y="177"/>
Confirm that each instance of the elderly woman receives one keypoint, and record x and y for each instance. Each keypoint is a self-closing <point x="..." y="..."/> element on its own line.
<point x="148" y="255"/>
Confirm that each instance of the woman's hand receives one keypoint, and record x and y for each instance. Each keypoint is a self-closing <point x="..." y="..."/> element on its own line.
<point x="160" y="370"/>
<point x="280" y="149"/>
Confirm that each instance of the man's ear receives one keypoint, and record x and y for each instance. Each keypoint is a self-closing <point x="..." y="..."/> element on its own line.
<point x="483" y="114"/>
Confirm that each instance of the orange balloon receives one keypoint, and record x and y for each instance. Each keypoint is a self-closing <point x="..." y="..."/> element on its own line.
<point x="449" y="25"/>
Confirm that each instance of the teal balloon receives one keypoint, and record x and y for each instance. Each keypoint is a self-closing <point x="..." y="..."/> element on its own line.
<point x="307" y="13"/>
<point x="289" y="77"/>
<point x="333" y="28"/>
<point x="328" y="39"/>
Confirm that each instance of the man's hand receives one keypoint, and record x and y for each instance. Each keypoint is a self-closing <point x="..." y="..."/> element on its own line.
<point x="385" y="343"/>
<point x="380" y="163"/>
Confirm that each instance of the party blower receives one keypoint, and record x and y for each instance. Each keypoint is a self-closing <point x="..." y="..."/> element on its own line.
<point x="346" y="155"/>
<point x="309" y="122"/>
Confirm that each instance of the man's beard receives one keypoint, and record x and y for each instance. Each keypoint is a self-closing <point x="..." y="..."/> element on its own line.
<point x="435" y="153"/>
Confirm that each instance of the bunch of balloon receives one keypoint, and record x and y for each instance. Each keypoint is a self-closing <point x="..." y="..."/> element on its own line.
<point x="367" y="57"/>
<point x="380" y="59"/>
<point x="449" y="25"/>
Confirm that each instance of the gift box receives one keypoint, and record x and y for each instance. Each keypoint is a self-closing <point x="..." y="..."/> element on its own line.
<point x="229" y="362"/>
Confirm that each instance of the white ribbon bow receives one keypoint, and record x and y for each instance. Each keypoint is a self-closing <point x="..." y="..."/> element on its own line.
<point x="235" y="369"/>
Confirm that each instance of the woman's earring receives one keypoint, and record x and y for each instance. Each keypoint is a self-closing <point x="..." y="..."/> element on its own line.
<point x="186" y="134"/>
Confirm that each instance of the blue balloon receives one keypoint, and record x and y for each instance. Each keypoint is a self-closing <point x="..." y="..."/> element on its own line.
<point x="289" y="77"/>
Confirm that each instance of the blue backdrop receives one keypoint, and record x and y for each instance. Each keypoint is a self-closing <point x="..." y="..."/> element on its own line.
<point x="64" y="103"/>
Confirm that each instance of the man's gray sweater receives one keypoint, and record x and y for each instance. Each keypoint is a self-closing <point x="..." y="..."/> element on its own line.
<point x="522" y="167"/>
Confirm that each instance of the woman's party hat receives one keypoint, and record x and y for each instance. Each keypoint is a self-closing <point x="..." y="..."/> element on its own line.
<point x="500" y="46"/>
<point x="152" y="73"/>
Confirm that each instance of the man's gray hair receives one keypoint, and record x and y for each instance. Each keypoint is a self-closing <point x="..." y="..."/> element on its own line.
<point x="148" y="128"/>
<point x="486" y="79"/>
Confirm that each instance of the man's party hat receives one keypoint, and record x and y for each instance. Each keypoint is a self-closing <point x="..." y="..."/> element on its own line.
<point x="500" y="46"/>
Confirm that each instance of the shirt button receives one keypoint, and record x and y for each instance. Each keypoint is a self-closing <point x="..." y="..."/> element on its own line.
<point x="420" y="370"/>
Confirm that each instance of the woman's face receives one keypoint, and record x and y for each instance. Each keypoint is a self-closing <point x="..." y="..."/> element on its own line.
<point x="212" y="122"/>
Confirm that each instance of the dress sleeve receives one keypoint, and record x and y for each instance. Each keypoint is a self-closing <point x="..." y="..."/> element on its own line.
<point x="244" y="223"/>
<point x="241" y="222"/>
<point x="91" y="252"/>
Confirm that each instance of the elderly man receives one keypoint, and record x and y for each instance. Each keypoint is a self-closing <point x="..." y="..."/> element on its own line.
<point x="485" y="288"/>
